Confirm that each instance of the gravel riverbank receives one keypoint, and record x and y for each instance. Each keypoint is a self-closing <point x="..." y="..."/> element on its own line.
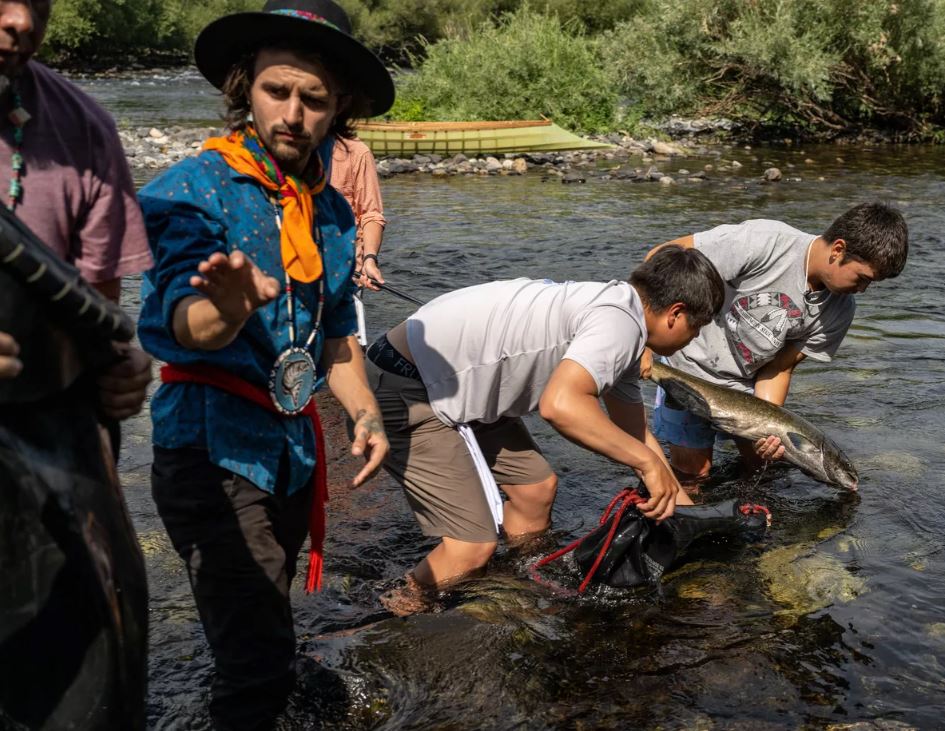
<point x="630" y="159"/>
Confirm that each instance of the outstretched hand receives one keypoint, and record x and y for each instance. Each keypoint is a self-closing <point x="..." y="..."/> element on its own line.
<point x="235" y="285"/>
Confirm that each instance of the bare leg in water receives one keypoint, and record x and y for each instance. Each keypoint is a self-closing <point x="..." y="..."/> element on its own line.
<point x="527" y="513"/>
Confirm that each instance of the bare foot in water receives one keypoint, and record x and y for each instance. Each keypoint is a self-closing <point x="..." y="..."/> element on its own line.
<point x="410" y="597"/>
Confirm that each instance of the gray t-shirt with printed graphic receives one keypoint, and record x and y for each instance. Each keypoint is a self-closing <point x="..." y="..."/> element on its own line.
<point x="488" y="351"/>
<point x="764" y="265"/>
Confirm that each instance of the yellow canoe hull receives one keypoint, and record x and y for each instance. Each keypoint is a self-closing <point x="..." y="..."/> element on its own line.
<point x="404" y="139"/>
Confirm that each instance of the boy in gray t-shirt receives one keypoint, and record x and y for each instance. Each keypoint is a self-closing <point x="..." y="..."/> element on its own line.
<point x="788" y="296"/>
<point x="478" y="359"/>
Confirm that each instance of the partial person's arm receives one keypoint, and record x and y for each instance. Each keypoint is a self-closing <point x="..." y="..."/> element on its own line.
<point x="346" y="377"/>
<point x="571" y="405"/>
<point x="114" y="244"/>
<point x="10" y="365"/>
<point x="369" y="207"/>
<point x="231" y="289"/>
<point x="774" y="378"/>
<point x="631" y="417"/>
<point x="772" y="384"/>
<point x="372" y="236"/>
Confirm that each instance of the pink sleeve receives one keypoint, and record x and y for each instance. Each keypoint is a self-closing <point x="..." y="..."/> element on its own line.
<point x="110" y="240"/>
<point x="368" y="206"/>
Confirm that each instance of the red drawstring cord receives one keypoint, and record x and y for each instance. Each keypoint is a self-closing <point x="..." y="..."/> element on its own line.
<point x="626" y="498"/>
<point x="752" y="509"/>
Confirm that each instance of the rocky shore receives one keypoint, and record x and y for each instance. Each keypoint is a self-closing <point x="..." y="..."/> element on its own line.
<point x="630" y="159"/>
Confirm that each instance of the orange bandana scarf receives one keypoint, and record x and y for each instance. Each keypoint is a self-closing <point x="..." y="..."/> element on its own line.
<point x="244" y="152"/>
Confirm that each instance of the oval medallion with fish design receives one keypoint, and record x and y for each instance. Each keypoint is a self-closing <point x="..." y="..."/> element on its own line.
<point x="292" y="381"/>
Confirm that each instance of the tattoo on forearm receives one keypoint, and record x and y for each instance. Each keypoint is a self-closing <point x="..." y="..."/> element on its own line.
<point x="369" y="421"/>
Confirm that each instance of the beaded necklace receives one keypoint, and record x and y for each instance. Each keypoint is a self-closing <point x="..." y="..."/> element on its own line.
<point x="19" y="117"/>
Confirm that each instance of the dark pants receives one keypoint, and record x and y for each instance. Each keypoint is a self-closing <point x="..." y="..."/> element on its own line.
<point x="240" y="545"/>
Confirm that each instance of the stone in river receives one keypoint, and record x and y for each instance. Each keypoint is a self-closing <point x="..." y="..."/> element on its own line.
<point x="571" y="178"/>
<point x="805" y="579"/>
<point x="772" y="175"/>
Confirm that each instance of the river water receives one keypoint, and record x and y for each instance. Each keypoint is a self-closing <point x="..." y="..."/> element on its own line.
<point x="833" y="621"/>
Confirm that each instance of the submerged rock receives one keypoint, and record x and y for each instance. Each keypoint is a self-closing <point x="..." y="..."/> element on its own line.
<point x="900" y="463"/>
<point x="936" y="630"/>
<point x="805" y="580"/>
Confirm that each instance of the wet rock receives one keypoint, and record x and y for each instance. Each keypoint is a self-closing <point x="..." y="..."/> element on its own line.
<point x="440" y="173"/>
<point x="897" y="462"/>
<point x="936" y="630"/>
<point x="804" y="579"/>
<point x="736" y="164"/>
<point x="667" y="180"/>
<point x="679" y="126"/>
<point x="626" y="174"/>
<point x="665" y="148"/>
<point x="493" y="165"/>
<point x="520" y="165"/>
<point x="572" y="178"/>
<point x="772" y="175"/>
<point x="653" y="174"/>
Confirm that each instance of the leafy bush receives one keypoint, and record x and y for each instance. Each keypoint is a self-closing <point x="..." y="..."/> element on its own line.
<point x="400" y="29"/>
<point x="115" y="28"/>
<point x="818" y="63"/>
<point x="524" y="66"/>
<point x="826" y="65"/>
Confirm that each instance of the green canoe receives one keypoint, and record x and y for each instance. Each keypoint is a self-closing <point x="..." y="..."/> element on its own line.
<point x="403" y="139"/>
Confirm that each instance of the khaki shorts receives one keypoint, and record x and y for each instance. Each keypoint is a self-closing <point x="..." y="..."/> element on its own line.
<point x="431" y="461"/>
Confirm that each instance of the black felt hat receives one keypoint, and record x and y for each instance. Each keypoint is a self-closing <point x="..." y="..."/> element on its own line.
<point x="321" y="25"/>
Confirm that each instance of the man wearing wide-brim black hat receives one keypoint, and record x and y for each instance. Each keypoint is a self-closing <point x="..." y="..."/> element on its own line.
<point x="251" y="306"/>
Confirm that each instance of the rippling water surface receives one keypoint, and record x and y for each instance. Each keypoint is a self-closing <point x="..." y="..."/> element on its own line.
<point x="834" y="619"/>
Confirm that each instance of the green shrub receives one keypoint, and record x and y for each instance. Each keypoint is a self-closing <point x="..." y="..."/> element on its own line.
<point x="399" y="28"/>
<point x="524" y="66"/>
<point x="116" y="28"/>
<point x="827" y="64"/>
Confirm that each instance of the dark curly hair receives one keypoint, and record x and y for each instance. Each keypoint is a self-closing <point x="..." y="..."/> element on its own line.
<point x="239" y="81"/>
<point x="875" y="233"/>
<point x="676" y="274"/>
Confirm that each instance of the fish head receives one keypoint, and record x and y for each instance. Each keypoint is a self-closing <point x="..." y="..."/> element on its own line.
<point x="839" y="468"/>
<point x="823" y="460"/>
